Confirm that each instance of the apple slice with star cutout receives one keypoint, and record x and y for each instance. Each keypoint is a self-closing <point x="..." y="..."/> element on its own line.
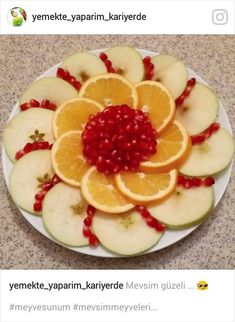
<point x="84" y="66"/>
<point x="210" y="157"/>
<point x="124" y="234"/>
<point x="64" y="210"/>
<point x="18" y="130"/>
<point x="26" y="178"/>
<point x="171" y="72"/>
<point x="127" y="62"/>
<point x="199" y="110"/>
<point x="184" y="208"/>
<point x="54" y="89"/>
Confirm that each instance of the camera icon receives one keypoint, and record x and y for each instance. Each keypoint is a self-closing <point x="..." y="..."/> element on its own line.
<point x="220" y="17"/>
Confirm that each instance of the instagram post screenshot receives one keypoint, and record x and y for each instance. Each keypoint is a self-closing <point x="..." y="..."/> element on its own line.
<point x="117" y="182"/>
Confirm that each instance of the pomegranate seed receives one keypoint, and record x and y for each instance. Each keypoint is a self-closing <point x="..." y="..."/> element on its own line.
<point x="19" y="154"/>
<point x="86" y="232"/>
<point x="50" y="146"/>
<point x="60" y="72"/>
<point x="45" y="103"/>
<point x="52" y="106"/>
<point x="108" y="64"/>
<point x="214" y="127"/>
<point x="145" y="213"/>
<point x="111" y="70"/>
<point x="88" y="221"/>
<point x="150" y="67"/>
<point x="181" y="180"/>
<point x="34" y="103"/>
<point x="160" y="227"/>
<point x="90" y="211"/>
<point x="43" y="145"/>
<point x="93" y="240"/>
<point x="180" y="100"/>
<point x="147" y="60"/>
<point x="37" y="206"/>
<point x="47" y="186"/>
<point x="196" y="182"/>
<point x="207" y="134"/>
<point x="103" y="57"/>
<point x="34" y="146"/>
<point x="28" y="147"/>
<point x="55" y="179"/>
<point x="24" y="106"/>
<point x="191" y="82"/>
<point x="209" y="181"/>
<point x="77" y="85"/>
<point x="139" y="208"/>
<point x="197" y="139"/>
<point x="152" y="222"/>
<point x="118" y="139"/>
<point x="66" y="75"/>
<point x="40" y="195"/>
<point x="187" y="183"/>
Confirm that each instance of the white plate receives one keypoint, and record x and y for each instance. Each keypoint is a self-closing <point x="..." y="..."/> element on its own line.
<point x="169" y="237"/>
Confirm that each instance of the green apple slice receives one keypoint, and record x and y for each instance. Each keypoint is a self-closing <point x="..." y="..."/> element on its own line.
<point x="84" y="66"/>
<point x="184" y="208"/>
<point x="64" y="210"/>
<point x="210" y="157"/>
<point x="19" y="129"/>
<point x="26" y="176"/>
<point x="171" y="72"/>
<point x="124" y="234"/>
<point x="199" y="109"/>
<point x="127" y="62"/>
<point x="54" y="89"/>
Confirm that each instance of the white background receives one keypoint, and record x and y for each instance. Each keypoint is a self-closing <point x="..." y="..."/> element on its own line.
<point x="190" y="304"/>
<point x="174" y="17"/>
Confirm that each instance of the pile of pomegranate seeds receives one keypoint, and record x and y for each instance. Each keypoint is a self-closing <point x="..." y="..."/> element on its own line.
<point x="43" y="104"/>
<point x="201" y="137"/>
<point x="188" y="183"/>
<point x="118" y="138"/>
<point x="29" y="147"/>
<point x="190" y="84"/>
<point x="93" y="240"/>
<point x="65" y="75"/>
<point x="107" y="63"/>
<point x="46" y="186"/>
<point x="149" y="68"/>
<point x="150" y="221"/>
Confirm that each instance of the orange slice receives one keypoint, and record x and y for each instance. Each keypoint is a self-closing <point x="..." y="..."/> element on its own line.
<point x="74" y="114"/>
<point x="143" y="187"/>
<point x="110" y="89"/>
<point x="99" y="190"/>
<point x="157" y="101"/>
<point x="67" y="158"/>
<point x="173" y="148"/>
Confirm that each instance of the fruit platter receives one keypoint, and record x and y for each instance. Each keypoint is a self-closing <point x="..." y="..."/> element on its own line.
<point x="117" y="152"/>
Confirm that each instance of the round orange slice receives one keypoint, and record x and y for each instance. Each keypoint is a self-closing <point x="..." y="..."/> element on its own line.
<point x="157" y="101"/>
<point x="173" y="148"/>
<point x="73" y="115"/>
<point x="110" y="89"/>
<point x="143" y="187"/>
<point x="67" y="158"/>
<point x="99" y="190"/>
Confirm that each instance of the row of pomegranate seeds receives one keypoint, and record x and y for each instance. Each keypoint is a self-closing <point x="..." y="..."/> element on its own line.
<point x="46" y="186"/>
<point x="150" y="220"/>
<point x="65" y="75"/>
<point x="107" y="63"/>
<point x="118" y="138"/>
<point x="29" y="147"/>
<point x="190" y="84"/>
<point x="201" y="137"/>
<point x="87" y="232"/>
<point x="34" y="103"/>
<point x="149" y="68"/>
<point x="188" y="183"/>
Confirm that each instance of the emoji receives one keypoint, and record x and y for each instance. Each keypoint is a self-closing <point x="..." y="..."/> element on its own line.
<point x="202" y="285"/>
